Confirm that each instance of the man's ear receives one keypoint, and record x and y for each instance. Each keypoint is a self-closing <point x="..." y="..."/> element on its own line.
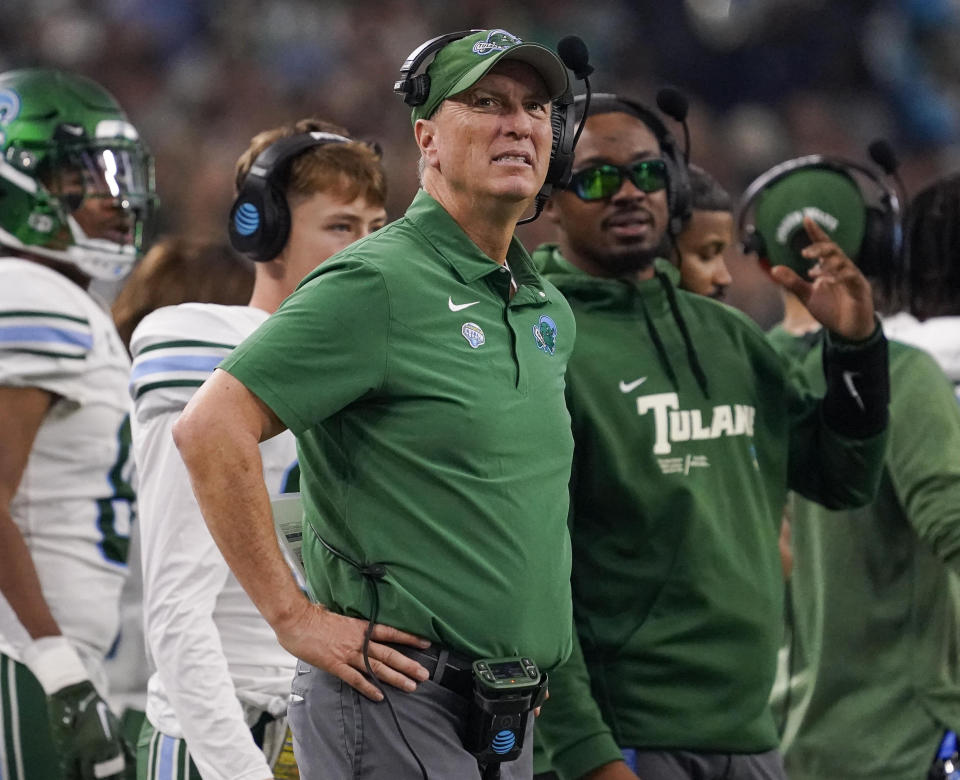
<point x="425" y="132"/>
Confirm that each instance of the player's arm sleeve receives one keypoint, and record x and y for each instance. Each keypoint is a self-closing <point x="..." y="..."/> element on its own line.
<point x="183" y="572"/>
<point x="924" y="454"/>
<point x="45" y="334"/>
<point x="837" y="443"/>
<point x="570" y="727"/>
<point x="324" y="348"/>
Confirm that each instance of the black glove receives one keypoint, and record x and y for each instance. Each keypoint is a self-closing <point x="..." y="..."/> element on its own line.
<point x="88" y="736"/>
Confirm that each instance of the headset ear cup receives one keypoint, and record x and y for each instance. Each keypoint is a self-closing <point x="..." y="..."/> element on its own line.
<point x="682" y="194"/>
<point x="419" y="90"/>
<point x="562" y="124"/>
<point x="276" y="228"/>
<point x="753" y="243"/>
<point x="678" y="180"/>
<point x="876" y="250"/>
<point x="246" y="222"/>
<point x="259" y="222"/>
<point x="678" y="191"/>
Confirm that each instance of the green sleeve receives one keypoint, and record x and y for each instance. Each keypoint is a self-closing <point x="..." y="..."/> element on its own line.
<point x="827" y="467"/>
<point x="325" y="347"/>
<point x="924" y="456"/>
<point x="571" y="727"/>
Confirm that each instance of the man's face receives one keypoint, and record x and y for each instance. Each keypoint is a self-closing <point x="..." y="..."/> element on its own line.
<point x="494" y="139"/>
<point x="323" y="223"/>
<point x="99" y="215"/>
<point x="622" y="234"/>
<point x="700" y="246"/>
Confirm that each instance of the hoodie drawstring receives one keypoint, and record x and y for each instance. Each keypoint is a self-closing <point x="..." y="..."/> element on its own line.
<point x="658" y="343"/>
<point x="692" y="357"/>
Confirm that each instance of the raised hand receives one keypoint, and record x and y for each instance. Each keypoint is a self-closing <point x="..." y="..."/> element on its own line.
<point x="839" y="295"/>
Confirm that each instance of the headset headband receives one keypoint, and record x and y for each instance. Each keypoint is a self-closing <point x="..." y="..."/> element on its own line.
<point x="283" y="149"/>
<point x="787" y="167"/>
<point x="416" y="88"/>
<point x="883" y="230"/>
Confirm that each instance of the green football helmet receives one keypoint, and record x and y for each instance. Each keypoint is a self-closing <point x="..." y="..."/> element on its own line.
<point x="76" y="182"/>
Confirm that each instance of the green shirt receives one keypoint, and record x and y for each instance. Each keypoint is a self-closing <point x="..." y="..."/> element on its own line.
<point x="874" y="598"/>
<point x="678" y="487"/>
<point x="432" y="434"/>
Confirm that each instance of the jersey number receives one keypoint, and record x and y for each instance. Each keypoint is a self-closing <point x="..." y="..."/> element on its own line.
<point x="115" y="545"/>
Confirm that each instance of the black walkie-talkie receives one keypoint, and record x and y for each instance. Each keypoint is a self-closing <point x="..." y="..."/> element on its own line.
<point x="505" y="691"/>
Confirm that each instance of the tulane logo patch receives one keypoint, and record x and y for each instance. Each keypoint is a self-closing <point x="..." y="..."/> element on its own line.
<point x="497" y="40"/>
<point x="473" y="333"/>
<point x="9" y="106"/>
<point x="545" y="333"/>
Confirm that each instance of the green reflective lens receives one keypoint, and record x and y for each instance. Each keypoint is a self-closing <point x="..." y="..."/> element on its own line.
<point x="603" y="181"/>
<point x="649" y="175"/>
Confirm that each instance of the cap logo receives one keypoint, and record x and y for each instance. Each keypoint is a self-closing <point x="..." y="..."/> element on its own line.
<point x="795" y="218"/>
<point x="497" y="40"/>
<point x="9" y="106"/>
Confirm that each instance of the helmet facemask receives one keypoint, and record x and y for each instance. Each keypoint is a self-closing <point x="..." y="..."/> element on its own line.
<point x="82" y="192"/>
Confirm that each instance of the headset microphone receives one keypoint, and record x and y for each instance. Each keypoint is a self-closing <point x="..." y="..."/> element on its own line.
<point x="575" y="56"/>
<point x="673" y="103"/>
<point x="881" y="152"/>
<point x="573" y="51"/>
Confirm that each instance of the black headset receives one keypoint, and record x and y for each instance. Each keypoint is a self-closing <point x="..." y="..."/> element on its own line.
<point x="415" y="89"/>
<point x="259" y="223"/>
<point x="883" y="229"/>
<point x="678" y="180"/>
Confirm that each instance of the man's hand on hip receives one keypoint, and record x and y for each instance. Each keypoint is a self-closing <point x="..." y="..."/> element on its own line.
<point x="334" y="643"/>
<point x="615" y="770"/>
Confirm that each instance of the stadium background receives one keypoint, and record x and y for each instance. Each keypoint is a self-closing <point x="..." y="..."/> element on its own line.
<point x="766" y="80"/>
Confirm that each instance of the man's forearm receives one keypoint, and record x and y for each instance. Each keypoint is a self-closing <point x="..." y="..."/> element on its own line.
<point x="20" y="583"/>
<point x="227" y="477"/>
<point x="858" y="385"/>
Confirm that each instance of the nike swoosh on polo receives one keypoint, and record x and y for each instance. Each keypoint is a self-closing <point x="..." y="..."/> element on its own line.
<point x="460" y="306"/>
<point x="626" y="387"/>
<point x="852" y="388"/>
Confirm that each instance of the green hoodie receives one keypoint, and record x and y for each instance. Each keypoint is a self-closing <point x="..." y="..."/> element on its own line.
<point x="874" y="600"/>
<point x="688" y="432"/>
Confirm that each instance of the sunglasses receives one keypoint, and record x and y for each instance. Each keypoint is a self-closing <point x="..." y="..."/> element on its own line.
<point x="603" y="181"/>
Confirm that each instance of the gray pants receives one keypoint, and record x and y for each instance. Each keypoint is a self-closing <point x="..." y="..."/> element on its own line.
<point x="341" y="735"/>
<point x="682" y="765"/>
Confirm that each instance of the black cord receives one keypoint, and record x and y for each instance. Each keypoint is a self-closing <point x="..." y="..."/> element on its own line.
<point x="692" y="358"/>
<point x="372" y="573"/>
<point x="372" y="579"/>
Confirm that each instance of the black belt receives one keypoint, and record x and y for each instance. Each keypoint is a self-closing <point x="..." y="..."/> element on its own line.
<point x="446" y="668"/>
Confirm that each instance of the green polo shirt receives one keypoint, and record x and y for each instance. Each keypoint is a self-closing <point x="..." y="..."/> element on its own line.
<point x="432" y="433"/>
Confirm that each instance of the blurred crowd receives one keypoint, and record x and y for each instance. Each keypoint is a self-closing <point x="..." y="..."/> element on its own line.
<point x="766" y="79"/>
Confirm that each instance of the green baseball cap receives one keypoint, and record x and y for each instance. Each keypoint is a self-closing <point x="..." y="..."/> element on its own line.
<point x="830" y="197"/>
<point x="463" y="62"/>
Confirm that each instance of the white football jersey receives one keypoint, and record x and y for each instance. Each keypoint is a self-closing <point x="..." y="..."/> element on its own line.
<point x="74" y="503"/>
<point x="218" y="663"/>
<point x="940" y="336"/>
